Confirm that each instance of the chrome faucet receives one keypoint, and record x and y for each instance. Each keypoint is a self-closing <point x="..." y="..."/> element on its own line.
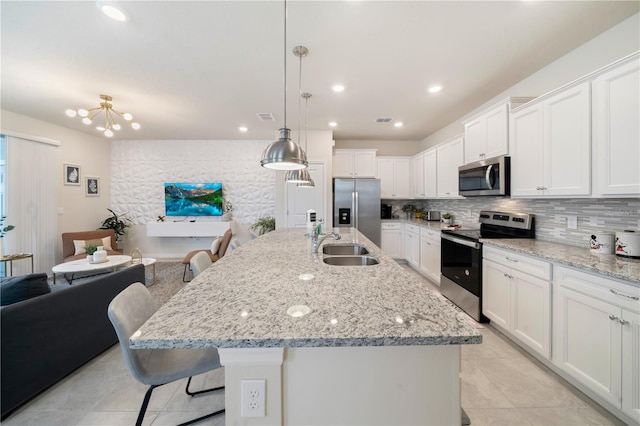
<point x="315" y="242"/>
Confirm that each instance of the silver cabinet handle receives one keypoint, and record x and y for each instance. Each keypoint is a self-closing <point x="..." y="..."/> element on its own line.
<point x="623" y="322"/>
<point x="613" y="317"/>
<point x="624" y="295"/>
<point x="511" y="260"/>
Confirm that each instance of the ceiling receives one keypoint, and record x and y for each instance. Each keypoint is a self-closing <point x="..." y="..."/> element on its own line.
<point x="201" y="69"/>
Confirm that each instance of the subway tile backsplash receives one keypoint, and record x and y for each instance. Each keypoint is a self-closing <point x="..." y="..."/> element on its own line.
<point x="594" y="215"/>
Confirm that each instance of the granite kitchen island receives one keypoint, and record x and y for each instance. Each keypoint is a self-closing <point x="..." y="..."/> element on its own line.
<point x="335" y="344"/>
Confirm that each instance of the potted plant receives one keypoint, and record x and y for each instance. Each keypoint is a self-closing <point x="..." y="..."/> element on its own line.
<point x="408" y="209"/>
<point x="264" y="225"/>
<point x="119" y="224"/>
<point x="446" y="218"/>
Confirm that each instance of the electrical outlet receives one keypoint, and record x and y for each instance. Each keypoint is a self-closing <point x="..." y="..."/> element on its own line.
<point x="253" y="398"/>
<point x="572" y="222"/>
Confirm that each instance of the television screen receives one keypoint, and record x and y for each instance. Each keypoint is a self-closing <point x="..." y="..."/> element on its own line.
<point x="193" y="199"/>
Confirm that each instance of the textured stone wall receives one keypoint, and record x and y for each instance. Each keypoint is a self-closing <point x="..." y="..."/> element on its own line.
<point x="139" y="169"/>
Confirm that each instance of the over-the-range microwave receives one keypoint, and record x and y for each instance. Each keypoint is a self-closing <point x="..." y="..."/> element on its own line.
<point x="485" y="177"/>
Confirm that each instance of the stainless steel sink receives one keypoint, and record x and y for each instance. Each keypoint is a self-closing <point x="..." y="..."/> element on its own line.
<point x="344" y="249"/>
<point x="350" y="260"/>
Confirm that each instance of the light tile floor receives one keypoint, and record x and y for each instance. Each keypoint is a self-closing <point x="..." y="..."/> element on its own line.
<point x="501" y="385"/>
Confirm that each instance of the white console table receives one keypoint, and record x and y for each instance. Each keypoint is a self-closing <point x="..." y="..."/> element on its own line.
<point x="187" y="229"/>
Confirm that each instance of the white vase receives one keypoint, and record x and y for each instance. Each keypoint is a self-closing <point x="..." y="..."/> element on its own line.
<point x="446" y="221"/>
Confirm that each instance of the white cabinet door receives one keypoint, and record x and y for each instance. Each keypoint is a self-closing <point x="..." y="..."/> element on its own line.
<point x="587" y="342"/>
<point x="364" y="164"/>
<point x="430" y="255"/>
<point x="497" y="124"/>
<point x="450" y="156"/>
<point x="299" y="200"/>
<point x="631" y="364"/>
<point x="392" y="243"/>
<point x="475" y="139"/>
<point x="616" y="132"/>
<point x="417" y="171"/>
<point x="527" y="152"/>
<point x="402" y="178"/>
<point x="567" y="130"/>
<point x="531" y="311"/>
<point x="412" y="248"/>
<point x="496" y="293"/>
<point x="342" y="164"/>
<point x="386" y="174"/>
<point x="430" y="174"/>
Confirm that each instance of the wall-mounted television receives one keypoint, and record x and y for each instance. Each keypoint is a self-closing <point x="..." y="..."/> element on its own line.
<point x="193" y="199"/>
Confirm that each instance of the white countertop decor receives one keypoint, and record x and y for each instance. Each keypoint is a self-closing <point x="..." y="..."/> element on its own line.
<point x="272" y="292"/>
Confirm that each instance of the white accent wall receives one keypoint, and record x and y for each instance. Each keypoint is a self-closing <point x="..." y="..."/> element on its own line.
<point x="141" y="167"/>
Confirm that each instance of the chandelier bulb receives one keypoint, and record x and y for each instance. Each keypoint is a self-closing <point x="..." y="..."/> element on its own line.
<point x="83" y="112"/>
<point x="127" y="116"/>
<point x="108" y="133"/>
<point x="70" y="113"/>
<point x="116" y="126"/>
<point x="87" y="121"/>
<point x="100" y="129"/>
<point x="136" y="126"/>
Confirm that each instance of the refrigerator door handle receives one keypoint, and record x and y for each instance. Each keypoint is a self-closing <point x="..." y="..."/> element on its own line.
<point x="354" y="211"/>
<point x="357" y="212"/>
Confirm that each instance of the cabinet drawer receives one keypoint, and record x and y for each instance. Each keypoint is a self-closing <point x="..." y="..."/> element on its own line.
<point x="430" y="234"/>
<point x="535" y="267"/>
<point x="623" y="295"/>
<point x="412" y="228"/>
<point x="392" y="226"/>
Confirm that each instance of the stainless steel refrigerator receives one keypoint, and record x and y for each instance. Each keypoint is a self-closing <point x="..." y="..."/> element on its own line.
<point x="356" y="203"/>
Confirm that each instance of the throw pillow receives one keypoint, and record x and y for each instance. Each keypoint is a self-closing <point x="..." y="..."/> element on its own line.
<point x="215" y="245"/>
<point x="80" y="245"/>
<point x="17" y="289"/>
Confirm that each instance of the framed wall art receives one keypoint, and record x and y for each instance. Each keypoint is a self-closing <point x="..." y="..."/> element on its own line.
<point x="72" y="174"/>
<point x="93" y="186"/>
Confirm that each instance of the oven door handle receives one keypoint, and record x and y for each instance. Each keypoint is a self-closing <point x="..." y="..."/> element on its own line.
<point x="460" y="241"/>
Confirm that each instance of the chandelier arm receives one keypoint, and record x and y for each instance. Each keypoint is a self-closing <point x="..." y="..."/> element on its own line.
<point x="96" y="113"/>
<point x="121" y="114"/>
<point x="109" y="119"/>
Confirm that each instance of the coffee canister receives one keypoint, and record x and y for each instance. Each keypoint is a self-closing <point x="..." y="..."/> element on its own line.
<point x="602" y="243"/>
<point x="628" y="244"/>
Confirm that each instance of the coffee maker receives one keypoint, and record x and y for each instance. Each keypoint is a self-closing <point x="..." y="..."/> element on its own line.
<point x="385" y="211"/>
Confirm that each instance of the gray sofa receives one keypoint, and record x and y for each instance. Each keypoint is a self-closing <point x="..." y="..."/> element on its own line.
<point x="46" y="337"/>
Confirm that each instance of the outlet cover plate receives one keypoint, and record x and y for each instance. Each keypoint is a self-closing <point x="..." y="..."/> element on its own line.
<point x="253" y="398"/>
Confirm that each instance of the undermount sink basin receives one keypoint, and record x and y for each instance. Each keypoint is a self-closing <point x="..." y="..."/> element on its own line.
<point x="350" y="260"/>
<point x="344" y="249"/>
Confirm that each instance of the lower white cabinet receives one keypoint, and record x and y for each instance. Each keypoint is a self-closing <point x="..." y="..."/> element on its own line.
<point x="430" y="254"/>
<point x="597" y="336"/>
<point x="392" y="241"/>
<point x="517" y="297"/>
<point x="412" y="245"/>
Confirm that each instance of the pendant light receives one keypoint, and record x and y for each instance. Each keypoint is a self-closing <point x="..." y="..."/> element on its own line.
<point x="309" y="183"/>
<point x="302" y="175"/>
<point x="284" y="154"/>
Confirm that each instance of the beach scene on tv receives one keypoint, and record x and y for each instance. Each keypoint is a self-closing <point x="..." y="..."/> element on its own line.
<point x="193" y="199"/>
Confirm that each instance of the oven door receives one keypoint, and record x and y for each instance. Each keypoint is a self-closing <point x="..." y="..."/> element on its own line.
<point x="462" y="262"/>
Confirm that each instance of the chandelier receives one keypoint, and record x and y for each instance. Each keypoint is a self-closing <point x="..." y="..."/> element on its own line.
<point x="110" y="116"/>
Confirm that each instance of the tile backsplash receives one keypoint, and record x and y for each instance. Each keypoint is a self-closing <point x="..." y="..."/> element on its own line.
<point x="594" y="215"/>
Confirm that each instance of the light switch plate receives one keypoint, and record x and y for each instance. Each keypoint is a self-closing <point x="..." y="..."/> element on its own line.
<point x="572" y="222"/>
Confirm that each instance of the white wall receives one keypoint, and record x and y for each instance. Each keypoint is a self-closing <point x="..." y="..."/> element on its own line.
<point x="91" y="153"/>
<point x="613" y="44"/>
<point x="141" y="167"/>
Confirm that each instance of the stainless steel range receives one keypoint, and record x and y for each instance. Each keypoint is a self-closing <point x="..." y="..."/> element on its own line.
<point x="461" y="280"/>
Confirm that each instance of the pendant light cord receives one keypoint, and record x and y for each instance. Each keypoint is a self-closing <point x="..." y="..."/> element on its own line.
<point x="299" y="108"/>
<point x="285" y="64"/>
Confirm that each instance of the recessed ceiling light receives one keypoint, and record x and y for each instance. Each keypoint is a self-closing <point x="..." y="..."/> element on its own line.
<point x="333" y="124"/>
<point x="338" y="88"/>
<point x="435" y="89"/>
<point x="112" y="11"/>
<point x="398" y="124"/>
<point x="243" y="129"/>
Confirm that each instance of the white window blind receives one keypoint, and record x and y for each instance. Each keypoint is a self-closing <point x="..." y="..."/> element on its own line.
<point x="31" y="198"/>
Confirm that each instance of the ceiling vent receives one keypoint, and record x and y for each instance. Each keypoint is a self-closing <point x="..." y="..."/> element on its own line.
<point x="383" y="120"/>
<point x="266" y="116"/>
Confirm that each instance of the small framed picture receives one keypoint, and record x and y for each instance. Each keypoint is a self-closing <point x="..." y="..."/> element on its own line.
<point x="71" y="174"/>
<point x="93" y="186"/>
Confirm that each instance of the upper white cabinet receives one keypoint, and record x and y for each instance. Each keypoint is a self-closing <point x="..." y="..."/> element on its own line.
<point x="354" y="163"/>
<point x="417" y="175"/>
<point x="486" y="135"/>
<point x="430" y="174"/>
<point x="395" y="177"/>
<point x="550" y="145"/>
<point x="616" y="130"/>
<point x="450" y="156"/>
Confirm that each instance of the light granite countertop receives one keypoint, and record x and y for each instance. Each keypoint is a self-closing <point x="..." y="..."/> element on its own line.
<point x="242" y="301"/>
<point x="610" y="265"/>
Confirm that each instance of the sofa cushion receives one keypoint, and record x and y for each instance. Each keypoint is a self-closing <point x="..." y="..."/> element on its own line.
<point x="81" y="245"/>
<point x="17" y="289"/>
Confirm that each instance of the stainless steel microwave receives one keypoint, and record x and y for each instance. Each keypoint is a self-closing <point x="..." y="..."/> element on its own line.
<point x="485" y="177"/>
